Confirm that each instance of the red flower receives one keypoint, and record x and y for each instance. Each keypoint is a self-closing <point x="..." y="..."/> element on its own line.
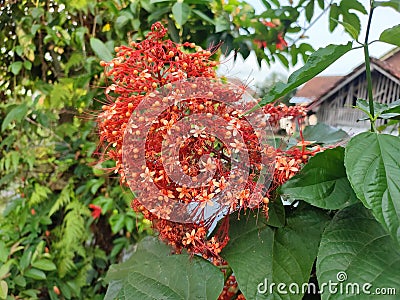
<point x="269" y="24"/>
<point x="96" y="211"/>
<point x="260" y="44"/>
<point x="280" y="42"/>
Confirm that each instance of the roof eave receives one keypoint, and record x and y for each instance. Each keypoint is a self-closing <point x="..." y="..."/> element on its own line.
<point x="357" y="71"/>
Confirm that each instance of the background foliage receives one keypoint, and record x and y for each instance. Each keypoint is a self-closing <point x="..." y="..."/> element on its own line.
<point x="51" y="86"/>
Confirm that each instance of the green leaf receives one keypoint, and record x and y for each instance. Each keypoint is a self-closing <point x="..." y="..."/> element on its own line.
<point x="324" y="134"/>
<point x="381" y="111"/>
<point x="37" y="12"/>
<point x="25" y="259"/>
<point x="75" y="60"/>
<point x="309" y="10"/>
<point x="305" y="51"/>
<point x="16" y="67"/>
<point x="322" y="182"/>
<point x="316" y="63"/>
<point x="16" y="114"/>
<point x="123" y="19"/>
<point x="395" y="4"/>
<point x="67" y="290"/>
<point x="116" y="249"/>
<point x="27" y="65"/>
<point x="203" y="16"/>
<point x="395" y="116"/>
<point x="391" y="36"/>
<point x="157" y="14"/>
<point x="181" y="12"/>
<point x="153" y="273"/>
<point x="283" y="59"/>
<point x="3" y="289"/>
<point x="39" y="194"/>
<point x="5" y="268"/>
<point x="276" y="213"/>
<point x="147" y="5"/>
<point x="117" y="222"/>
<point x="96" y="185"/>
<point x="373" y="167"/>
<point x="35" y="274"/>
<point x="100" y="49"/>
<point x="30" y="294"/>
<point x="354" y="33"/>
<point x="129" y="224"/>
<point x="222" y="24"/>
<point x="63" y="199"/>
<point x="79" y="35"/>
<point x="20" y="280"/>
<point x="19" y="50"/>
<point x="79" y="4"/>
<point x="3" y="252"/>
<point x="44" y="264"/>
<point x="347" y="5"/>
<point x="34" y="29"/>
<point x="259" y="254"/>
<point x="333" y="17"/>
<point x="356" y="247"/>
<point x="393" y="108"/>
<point x="352" y="24"/>
<point x="363" y="105"/>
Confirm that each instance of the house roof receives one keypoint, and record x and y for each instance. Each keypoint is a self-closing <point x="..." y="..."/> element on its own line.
<point x="321" y="87"/>
<point x="317" y="86"/>
<point x="390" y="54"/>
<point x="391" y="65"/>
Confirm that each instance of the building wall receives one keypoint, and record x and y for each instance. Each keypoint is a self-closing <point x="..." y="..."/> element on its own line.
<point x="338" y="110"/>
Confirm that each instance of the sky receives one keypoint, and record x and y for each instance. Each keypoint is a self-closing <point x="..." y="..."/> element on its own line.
<point x="319" y="36"/>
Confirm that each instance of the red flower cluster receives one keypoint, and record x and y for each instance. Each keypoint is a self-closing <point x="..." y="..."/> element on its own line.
<point x="277" y="112"/>
<point x="140" y="69"/>
<point x="147" y="75"/>
<point x="196" y="159"/>
<point x="136" y="72"/>
<point x="280" y="42"/>
<point x="96" y="211"/>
